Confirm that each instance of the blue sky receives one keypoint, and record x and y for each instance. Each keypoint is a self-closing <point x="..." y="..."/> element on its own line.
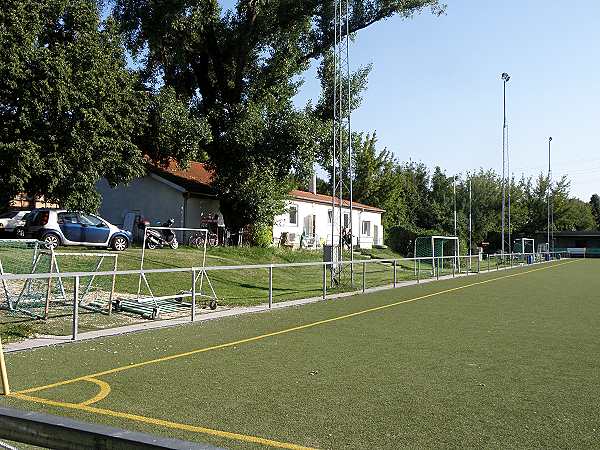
<point x="435" y="93"/>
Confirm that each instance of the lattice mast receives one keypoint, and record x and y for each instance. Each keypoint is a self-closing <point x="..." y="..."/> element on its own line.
<point x="342" y="142"/>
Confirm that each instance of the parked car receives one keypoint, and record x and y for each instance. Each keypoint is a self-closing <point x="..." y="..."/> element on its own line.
<point x="57" y="227"/>
<point x="13" y="222"/>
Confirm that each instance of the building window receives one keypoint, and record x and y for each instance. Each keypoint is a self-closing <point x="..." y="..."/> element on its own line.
<point x="366" y="228"/>
<point x="329" y="216"/>
<point x="346" y="220"/>
<point x="293" y="215"/>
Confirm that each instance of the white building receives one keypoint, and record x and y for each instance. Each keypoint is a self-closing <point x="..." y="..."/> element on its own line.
<point x="187" y="196"/>
<point x="308" y="218"/>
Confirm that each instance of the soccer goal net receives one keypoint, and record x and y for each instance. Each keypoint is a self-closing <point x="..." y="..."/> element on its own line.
<point x="524" y="246"/>
<point x="156" y="294"/>
<point x="437" y="254"/>
<point x="35" y="296"/>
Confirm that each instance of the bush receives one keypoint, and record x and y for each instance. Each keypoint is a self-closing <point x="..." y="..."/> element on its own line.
<point x="261" y="236"/>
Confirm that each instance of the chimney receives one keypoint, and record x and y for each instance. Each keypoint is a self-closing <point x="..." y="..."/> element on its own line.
<point x="312" y="184"/>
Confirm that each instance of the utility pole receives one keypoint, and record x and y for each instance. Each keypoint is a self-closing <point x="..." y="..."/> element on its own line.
<point x="505" y="78"/>
<point x="470" y="218"/>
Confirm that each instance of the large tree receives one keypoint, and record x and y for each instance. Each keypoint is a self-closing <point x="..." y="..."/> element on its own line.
<point x="239" y="68"/>
<point x="69" y="109"/>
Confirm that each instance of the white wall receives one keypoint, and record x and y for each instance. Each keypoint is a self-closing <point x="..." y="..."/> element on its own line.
<point x="323" y="226"/>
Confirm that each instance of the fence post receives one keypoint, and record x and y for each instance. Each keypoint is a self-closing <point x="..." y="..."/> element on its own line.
<point x="478" y="264"/>
<point x="75" y="308"/>
<point x="193" y="294"/>
<point x="270" y="286"/>
<point x="364" y="276"/>
<point x="488" y="258"/>
<point x="5" y="387"/>
<point x="418" y="271"/>
<point x="437" y="272"/>
<point x="453" y="269"/>
<point x="324" y="281"/>
<point x="395" y="275"/>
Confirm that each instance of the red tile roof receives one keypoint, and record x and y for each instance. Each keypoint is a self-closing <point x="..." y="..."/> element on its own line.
<point x="326" y="199"/>
<point x="197" y="173"/>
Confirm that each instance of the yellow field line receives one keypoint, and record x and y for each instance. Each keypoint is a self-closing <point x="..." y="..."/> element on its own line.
<point x="277" y="333"/>
<point x="163" y="423"/>
<point x="104" y="391"/>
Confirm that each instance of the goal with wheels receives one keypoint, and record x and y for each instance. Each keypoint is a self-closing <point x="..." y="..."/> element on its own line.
<point x="147" y="303"/>
<point x="439" y="251"/>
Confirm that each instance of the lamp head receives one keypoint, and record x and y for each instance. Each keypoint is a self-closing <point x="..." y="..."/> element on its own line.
<point x="505" y="77"/>
<point x="550" y="139"/>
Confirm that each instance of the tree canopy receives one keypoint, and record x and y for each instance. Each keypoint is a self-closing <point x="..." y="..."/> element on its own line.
<point x="238" y="69"/>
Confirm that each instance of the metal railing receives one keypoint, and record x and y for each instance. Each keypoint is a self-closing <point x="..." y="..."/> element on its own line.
<point x="48" y="431"/>
<point x="425" y="269"/>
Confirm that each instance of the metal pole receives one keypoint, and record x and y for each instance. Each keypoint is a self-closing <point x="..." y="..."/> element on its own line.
<point x="364" y="276"/>
<point x="395" y="276"/>
<point x="194" y="294"/>
<point x="270" y="286"/>
<point x="3" y="372"/>
<point x="470" y="221"/>
<point x="505" y="77"/>
<point x="418" y="271"/>
<point x="75" y="308"/>
<point x="350" y="156"/>
<point x="324" y="281"/>
<point x="549" y="189"/>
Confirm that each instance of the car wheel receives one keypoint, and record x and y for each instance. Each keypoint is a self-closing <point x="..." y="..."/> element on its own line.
<point x="51" y="241"/>
<point x="120" y="244"/>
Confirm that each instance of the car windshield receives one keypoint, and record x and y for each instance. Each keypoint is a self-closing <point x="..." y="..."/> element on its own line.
<point x="8" y="215"/>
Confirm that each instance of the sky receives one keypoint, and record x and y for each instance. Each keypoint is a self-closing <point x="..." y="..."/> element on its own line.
<point x="435" y="93"/>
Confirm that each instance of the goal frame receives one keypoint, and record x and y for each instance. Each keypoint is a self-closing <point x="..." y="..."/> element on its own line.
<point x="522" y="241"/>
<point x="434" y="258"/>
<point x="200" y="274"/>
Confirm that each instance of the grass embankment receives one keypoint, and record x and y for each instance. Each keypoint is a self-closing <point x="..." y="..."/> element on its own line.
<point x="503" y="360"/>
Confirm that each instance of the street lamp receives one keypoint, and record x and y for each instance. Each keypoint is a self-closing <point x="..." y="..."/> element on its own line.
<point x="549" y="189"/>
<point x="505" y="78"/>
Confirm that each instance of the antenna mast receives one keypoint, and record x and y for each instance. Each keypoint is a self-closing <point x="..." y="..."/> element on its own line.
<point x="342" y="142"/>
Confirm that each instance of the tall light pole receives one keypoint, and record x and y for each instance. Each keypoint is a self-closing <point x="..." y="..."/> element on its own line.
<point x="505" y="78"/>
<point x="549" y="189"/>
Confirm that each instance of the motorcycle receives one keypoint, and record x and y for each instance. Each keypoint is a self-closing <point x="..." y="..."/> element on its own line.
<point x="160" y="238"/>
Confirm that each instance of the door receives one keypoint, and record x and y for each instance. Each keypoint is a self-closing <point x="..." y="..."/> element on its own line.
<point x="69" y="225"/>
<point x="95" y="231"/>
<point x="376" y="234"/>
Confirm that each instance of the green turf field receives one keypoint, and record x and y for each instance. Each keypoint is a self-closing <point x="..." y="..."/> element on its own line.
<point x="502" y="360"/>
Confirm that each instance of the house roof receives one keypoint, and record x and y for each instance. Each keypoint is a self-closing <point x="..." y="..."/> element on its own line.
<point x="197" y="179"/>
<point x="326" y="199"/>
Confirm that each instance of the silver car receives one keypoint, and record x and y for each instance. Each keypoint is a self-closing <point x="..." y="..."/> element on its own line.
<point x="13" y="222"/>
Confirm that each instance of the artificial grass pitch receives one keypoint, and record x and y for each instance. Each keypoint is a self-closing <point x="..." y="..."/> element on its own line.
<point x="510" y="363"/>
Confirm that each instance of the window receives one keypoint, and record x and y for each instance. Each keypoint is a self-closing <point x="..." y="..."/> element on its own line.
<point x="329" y="216"/>
<point x="8" y="215"/>
<point x="67" y="217"/>
<point x="366" y="228"/>
<point x="92" y="221"/>
<point x="346" y="220"/>
<point x="293" y="215"/>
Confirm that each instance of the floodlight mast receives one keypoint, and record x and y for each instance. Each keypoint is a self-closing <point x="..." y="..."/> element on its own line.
<point x="549" y="191"/>
<point x="505" y="78"/>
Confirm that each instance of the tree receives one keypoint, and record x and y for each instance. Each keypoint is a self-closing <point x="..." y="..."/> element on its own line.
<point x="239" y="69"/>
<point x="578" y="216"/>
<point x="69" y="109"/>
<point x="595" y="205"/>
